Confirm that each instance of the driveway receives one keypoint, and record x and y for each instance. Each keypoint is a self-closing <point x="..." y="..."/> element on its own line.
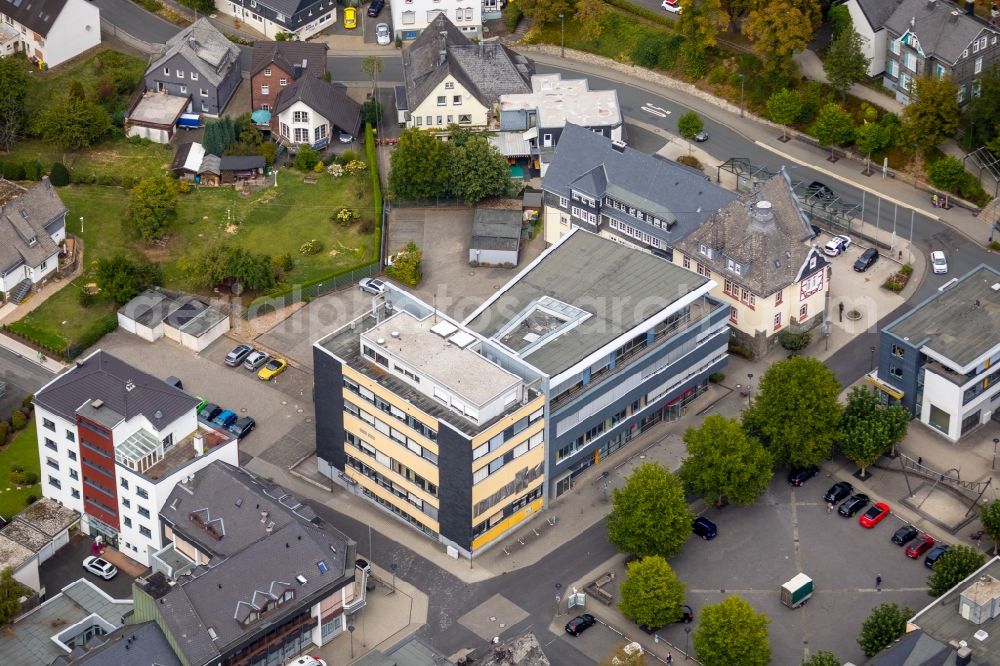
<point x="136" y="21"/>
<point x="66" y="567"/>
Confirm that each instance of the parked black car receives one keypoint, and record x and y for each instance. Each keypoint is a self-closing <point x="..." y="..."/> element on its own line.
<point x="243" y="427"/>
<point x="820" y="191"/>
<point x="865" y="261"/>
<point x="800" y="475"/>
<point x="375" y="8"/>
<point x="209" y="411"/>
<point x="935" y="555"/>
<point x="687" y="614"/>
<point x="580" y="624"/>
<point x="838" y="492"/>
<point x="853" y="504"/>
<point x="704" y="528"/>
<point x="904" y="535"/>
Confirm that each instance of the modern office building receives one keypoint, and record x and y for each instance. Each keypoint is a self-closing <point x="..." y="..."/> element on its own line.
<point x="412" y="414"/>
<point x="113" y="441"/>
<point x="941" y="360"/>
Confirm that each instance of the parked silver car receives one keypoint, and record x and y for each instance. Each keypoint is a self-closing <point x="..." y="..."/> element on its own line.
<point x="255" y="360"/>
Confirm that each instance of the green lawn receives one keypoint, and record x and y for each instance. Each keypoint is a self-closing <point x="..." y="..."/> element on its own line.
<point x="273" y="221"/>
<point x="107" y="162"/>
<point x="22" y="450"/>
<point x="88" y="72"/>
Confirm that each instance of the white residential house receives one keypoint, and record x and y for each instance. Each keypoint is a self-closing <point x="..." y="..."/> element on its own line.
<point x="48" y="32"/>
<point x="868" y="18"/>
<point x="113" y="442"/>
<point x="32" y="225"/>
<point x="312" y="111"/>
<point x="450" y="80"/>
<point x="412" y="17"/>
<point x="300" y="18"/>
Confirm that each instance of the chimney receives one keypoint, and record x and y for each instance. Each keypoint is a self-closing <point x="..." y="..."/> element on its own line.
<point x="618" y="146"/>
<point x="192" y="42"/>
<point x="443" y="55"/>
<point x="199" y="445"/>
<point x="970" y="7"/>
<point x="762" y="218"/>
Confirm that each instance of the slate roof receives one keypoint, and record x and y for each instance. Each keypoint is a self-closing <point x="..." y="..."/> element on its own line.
<point x="589" y="163"/>
<point x="323" y="98"/>
<point x="211" y="164"/>
<point x="496" y="229"/>
<point x="289" y="7"/>
<point x="960" y="323"/>
<point x="131" y="645"/>
<point x="249" y="561"/>
<point x="485" y="70"/>
<point x="102" y="376"/>
<point x="28" y="640"/>
<point x="584" y="270"/>
<point x="24" y="214"/>
<point x="940" y="33"/>
<point x="241" y="162"/>
<point x="288" y="56"/>
<point x="210" y="52"/>
<point x="770" y="245"/>
<point x="877" y="11"/>
<point x="37" y="15"/>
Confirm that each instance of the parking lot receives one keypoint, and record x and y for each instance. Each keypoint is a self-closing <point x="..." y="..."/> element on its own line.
<point x="282" y="407"/>
<point x="760" y="547"/>
<point x="66" y="567"/>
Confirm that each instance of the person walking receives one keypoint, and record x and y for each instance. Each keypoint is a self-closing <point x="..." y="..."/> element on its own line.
<point x="829" y="507"/>
<point x="670" y="658"/>
<point x="878" y="582"/>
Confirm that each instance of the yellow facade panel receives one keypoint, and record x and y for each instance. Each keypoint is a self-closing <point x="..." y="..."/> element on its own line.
<point x="397" y="502"/>
<point x="499" y="426"/>
<point x="506" y="474"/>
<point x="392" y="448"/>
<point x="388" y="396"/>
<point x="506" y="524"/>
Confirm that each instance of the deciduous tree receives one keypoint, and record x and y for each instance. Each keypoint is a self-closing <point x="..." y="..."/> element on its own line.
<point x="795" y="411"/>
<point x="590" y="17"/>
<point x="868" y="429"/>
<point x="478" y="170"/>
<point x="699" y="23"/>
<point x="649" y="515"/>
<point x="372" y="66"/>
<point x="546" y="11"/>
<point x="833" y="127"/>
<point x="989" y="514"/>
<point x="933" y="112"/>
<point x="885" y="624"/>
<point x="152" y="207"/>
<point x="689" y="124"/>
<point x="723" y="463"/>
<point x="784" y="107"/>
<point x="13" y="91"/>
<point x="845" y="63"/>
<point x="779" y="28"/>
<point x="822" y="658"/>
<point x="651" y="594"/>
<point x="955" y="565"/>
<point x="419" y="166"/>
<point x="872" y="138"/>
<point x="946" y="173"/>
<point x="122" y="279"/>
<point x="732" y="632"/>
<point x="72" y="123"/>
<point x="983" y="111"/>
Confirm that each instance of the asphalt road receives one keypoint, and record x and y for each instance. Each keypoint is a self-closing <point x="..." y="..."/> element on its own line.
<point x="136" y="21"/>
<point x="22" y="378"/>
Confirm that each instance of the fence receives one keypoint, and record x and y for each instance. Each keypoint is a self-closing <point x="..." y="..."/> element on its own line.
<point x="301" y="292"/>
<point x="111" y="31"/>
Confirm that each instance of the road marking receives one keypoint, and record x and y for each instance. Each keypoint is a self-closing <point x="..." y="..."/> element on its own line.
<point x="655" y="110"/>
<point x="816" y="592"/>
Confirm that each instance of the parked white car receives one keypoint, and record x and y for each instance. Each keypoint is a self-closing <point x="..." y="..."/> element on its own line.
<point x="100" y="567"/>
<point x="939" y="262"/>
<point x="382" y="34"/>
<point x="836" y="245"/>
<point x="673" y="6"/>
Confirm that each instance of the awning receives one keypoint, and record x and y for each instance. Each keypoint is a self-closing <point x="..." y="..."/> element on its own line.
<point x="888" y="389"/>
<point x="261" y="117"/>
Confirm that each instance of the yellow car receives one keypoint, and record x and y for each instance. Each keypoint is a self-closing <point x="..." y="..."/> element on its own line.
<point x="272" y="369"/>
<point x="350" y="18"/>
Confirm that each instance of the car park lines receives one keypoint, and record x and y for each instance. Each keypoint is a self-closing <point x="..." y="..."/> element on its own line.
<point x="655" y="110"/>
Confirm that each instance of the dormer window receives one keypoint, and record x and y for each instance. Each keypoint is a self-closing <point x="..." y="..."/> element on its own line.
<point x="705" y="250"/>
<point x="734" y="267"/>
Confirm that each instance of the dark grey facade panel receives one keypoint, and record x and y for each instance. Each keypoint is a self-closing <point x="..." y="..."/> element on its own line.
<point x="328" y="396"/>
<point x="455" y="487"/>
<point x="902" y="373"/>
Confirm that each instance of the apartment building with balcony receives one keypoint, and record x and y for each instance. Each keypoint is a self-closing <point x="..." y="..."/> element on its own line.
<point x="413" y="415"/>
<point x="250" y="575"/>
<point x="113" y="442"/>
<point x="621" y="340"/>
<point x="941" y="360"/>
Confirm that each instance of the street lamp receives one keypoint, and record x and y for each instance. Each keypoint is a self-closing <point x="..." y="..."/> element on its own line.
<point x="558" y="599"/>
<point x="871" y="359"/>
<point x="562" y="35"/>
<point x="749" y="387"/>
<point x="741" y="95"/>
<point x="81" y="225"/>
<point x="350" y="630"/>
<point x="393" y="567"/>
<point x="996" y="440"/>
<point x="687" y="642"/>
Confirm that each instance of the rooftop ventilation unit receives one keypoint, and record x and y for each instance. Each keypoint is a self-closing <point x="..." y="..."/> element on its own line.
<point x="395" y="334"/>
<point x="618" y="146"/>
<point x="302" y="579"/>
<point x="97" y="404"/>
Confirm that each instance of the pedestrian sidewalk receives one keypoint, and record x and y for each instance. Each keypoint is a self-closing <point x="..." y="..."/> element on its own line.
<point x="897" y="190"/>
<point x="811" y="67"/>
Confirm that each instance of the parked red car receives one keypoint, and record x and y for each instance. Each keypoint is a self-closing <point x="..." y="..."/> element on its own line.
<point x="875" y="514"/>
<point x="923" y="543"/>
